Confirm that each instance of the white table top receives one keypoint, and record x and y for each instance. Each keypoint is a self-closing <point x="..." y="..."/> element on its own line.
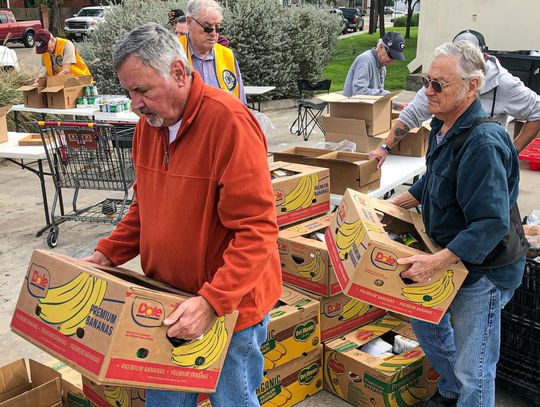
<point x="11" y="148"/>
<point x="257" y="90"/>
<point x="129" y="117"/>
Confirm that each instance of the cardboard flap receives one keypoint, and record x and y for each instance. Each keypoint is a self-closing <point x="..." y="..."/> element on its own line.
<point x="332" y="97"/>
<point x="303" y="151"/>
<point x="27" y="88"/>
<point x="52" y="89"/>
<point x="13" y="380"/>
<point x="343" y="126"/>
<point x="42" y="374"/>
<point x="306" y="228"/>
<point x="5" y="110"/>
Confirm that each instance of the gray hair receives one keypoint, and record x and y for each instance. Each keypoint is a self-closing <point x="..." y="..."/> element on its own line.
<point x="194" y="7"/>
<point x="156" y="47"/>
<point x="471" y="62"/>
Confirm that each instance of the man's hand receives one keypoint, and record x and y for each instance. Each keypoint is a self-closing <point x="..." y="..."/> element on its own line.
<point x="98" y="258"/>
<point x="378" y="154"/>
<point x="424" y="266"/>
<point x="191" y="319"/>
<point x="405" y="200"/>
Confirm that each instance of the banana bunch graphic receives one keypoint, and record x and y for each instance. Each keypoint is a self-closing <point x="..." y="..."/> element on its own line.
<point x="408" y="397"/>
<point x="348" y="234"/>
<point x="69" y="305"/>
<point x="432" y="294"/>
<point x="204" y="352"/>
<point x="313" y="270"/>
<point x="398" y="362"/>
<point x="117" y="396"/>
<point x="331" y="374"/>
<point x="280" y="399"/>
<point x="353" y="308"/>
<point x="302" y="195"/>
<point x="272" y="356"/>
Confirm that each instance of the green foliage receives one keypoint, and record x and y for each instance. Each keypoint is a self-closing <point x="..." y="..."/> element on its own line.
<point x="402" y="21"/>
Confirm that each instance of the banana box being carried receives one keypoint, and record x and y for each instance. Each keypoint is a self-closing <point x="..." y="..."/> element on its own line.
<point x="365" y="239"/>
<point x="375" y="366"/>
<point x="106" y="396"/>
<point x="292" y="382"/>
<point x="107" y="323"/>
<point x="293" y="329"/>
<point x="300" y="191"/>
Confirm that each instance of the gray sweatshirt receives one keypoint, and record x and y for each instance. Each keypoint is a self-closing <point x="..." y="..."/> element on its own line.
<point x="512" y="98"/>
<point x="366" y="76"/>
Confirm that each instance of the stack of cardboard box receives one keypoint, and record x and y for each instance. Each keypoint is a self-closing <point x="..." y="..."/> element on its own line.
<point x="55" y="92"/>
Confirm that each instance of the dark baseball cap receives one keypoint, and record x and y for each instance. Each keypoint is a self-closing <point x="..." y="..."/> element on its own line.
<point x="473" y="36"/>
<point x="176" y="15"/>
<point x="42" y="39"/>
<point x="396" y="44"/>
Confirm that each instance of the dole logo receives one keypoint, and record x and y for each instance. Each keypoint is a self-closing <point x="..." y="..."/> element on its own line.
<point x="341" y="213"/>
<point x="384" y="259"/>
<point x="279" y="196"/>
<point x="333" y="309"/>
<point x="146" y="312"/>
<point x="38" y="280"/>
<point x="282" y="248"/>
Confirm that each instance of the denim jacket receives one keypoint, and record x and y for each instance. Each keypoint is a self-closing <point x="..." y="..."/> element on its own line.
<point x="472" y="218"/>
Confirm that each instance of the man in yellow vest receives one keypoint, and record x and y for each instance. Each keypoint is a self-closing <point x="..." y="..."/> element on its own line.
<point x="215" y="63"/>
<point x="59" y="56"/>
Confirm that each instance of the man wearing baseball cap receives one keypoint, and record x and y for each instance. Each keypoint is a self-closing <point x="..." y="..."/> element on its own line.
<point x="178" y="21"/>
<point x="368" y="71"/>
<point x="58" y="55"/>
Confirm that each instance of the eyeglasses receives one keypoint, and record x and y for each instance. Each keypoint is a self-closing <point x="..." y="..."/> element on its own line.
<point x="388" y="51"/>
<point x="436" y="85"/>
<point x="208" y="30"/>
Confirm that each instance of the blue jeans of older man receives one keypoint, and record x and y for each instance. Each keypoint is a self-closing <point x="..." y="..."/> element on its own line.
<point x="241" y="375"/>
<point x="466" y="354"/>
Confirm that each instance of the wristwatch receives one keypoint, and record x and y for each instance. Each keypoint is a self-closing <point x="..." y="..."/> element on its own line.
<point x="385" y="148"/>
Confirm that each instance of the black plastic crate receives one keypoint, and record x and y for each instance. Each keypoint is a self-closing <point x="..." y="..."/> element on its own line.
<point x="525" y="304"/>
<point x="524" y="389"/>
<point x="520" y="338"/>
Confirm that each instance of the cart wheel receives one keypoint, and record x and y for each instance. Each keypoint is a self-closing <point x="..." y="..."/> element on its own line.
<point x="52" y="238"/>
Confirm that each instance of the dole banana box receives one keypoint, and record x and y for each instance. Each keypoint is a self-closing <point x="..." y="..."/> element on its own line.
<point x="366" y="380"/>
<point x="304" y="259"/>
<point x="341" y="314"/>
<point x="293" y="329"/>
<point x="364" y="258"/>
<point x="106" y="396"/>
<point x="107" y="323"/>
<point x="292" y="382"/>
<point x="300" y="191"/>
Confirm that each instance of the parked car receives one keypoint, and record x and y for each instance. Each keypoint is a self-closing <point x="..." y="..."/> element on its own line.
<point x="339" y="13"/>
<point x="354" y="19"/>
<point x="17" y="31"/>
<point x="84" y="22"/>
<point x="397" y="14"/>
<point x="388" y="10"/>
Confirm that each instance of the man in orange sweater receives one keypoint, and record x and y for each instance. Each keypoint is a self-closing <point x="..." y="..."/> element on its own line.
<point x="203" y="218"/>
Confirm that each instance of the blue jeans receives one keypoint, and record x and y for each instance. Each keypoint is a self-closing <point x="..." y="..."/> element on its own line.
<point x="241" y="375"/>
<point x="466" y="355"/>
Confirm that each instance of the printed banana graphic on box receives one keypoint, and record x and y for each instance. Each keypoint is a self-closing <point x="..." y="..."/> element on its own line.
<point x="117" y="396"/>
<point x="314" y="269"/>
<point x="332" y="370"/>
<point x="204" y="352"/>
<point x="433" y="294"/>
<point x="303" y="195"/>
<point x="352" y="309"/>
<point x="349" y="235"/>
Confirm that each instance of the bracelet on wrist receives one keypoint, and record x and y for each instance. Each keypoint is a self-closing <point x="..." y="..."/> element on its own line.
<point x="385" y="148"/>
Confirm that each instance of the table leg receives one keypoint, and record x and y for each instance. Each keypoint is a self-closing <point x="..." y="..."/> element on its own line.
<point x="16" y="121"/>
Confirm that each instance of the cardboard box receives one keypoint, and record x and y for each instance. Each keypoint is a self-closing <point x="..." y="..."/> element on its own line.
<point x="106" y="396"/>
<point x="72" y="384"/>
<point x="341" y="314"/>
<point x="107" y="323"/>
<point x="414" y="144"/>
<point x="3" y="123"/>
<point x="303" y="193"/>
<point x="366" y="380"/>
<point x="364" y="258"/>
<point x="347" y="170"/>
<point x="374" y="110"/>
<point x="63" y="90"/>
<point x="293" y="329"/>
<point x="292" y="382"/>
<point x="36" y="385"/>
<point x="33" y="95"/>
<point x="337" y="129"/>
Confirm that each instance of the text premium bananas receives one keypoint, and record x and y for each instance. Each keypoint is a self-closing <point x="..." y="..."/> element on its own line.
<point x="314" y="270"/>
<point x="348" y="234"/>
<point x="432" y="294"/>
<point x="204" y="352"/>
<point x="303" y="195"/>
<point x="70" y="304"/>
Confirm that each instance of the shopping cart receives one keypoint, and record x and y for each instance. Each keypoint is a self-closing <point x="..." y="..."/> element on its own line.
<point x="88" y="156"/>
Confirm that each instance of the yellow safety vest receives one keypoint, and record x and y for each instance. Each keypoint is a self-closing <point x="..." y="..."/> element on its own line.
<point x="223" y="63"/>
<point x="79" y="68"/>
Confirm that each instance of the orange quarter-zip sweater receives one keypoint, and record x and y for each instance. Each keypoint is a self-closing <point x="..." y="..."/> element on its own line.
<point x="203" y="218"/>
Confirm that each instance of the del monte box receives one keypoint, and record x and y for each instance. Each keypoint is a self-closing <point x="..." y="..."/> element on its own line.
<point x="107" y="323"/>
<point x="366" y="237"/>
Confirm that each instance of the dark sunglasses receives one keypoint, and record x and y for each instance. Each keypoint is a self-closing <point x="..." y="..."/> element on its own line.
<point x="209" y="30"/>
<point x="436" y="85"/>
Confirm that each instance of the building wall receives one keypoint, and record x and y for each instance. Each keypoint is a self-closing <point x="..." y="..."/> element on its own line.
<point x="507" y="25"/>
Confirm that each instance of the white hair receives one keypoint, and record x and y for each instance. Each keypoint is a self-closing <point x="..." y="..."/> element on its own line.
<point x="194" y="7"/>
<point x="471" y="62"/>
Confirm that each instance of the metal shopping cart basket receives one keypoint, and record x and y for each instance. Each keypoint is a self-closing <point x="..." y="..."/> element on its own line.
<point x="88" y="156"/>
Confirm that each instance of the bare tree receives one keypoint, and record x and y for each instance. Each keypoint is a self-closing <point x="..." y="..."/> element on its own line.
<point x="411" y="4"/>
<point x="380" y="6"/>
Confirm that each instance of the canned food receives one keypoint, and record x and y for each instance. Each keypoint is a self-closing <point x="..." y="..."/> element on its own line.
<point x="94" y="90"/>
<point x="127" y="105"/>
<point x="104" y="108"/>
<point x="87" y="90"/>
<point x="113" y="108"/>
<point x="80" y="100"/>
<point x="90" y="100"/>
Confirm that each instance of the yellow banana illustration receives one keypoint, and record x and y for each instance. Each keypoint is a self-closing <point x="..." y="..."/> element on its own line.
<point x="352" y="309"/>
<point x="204" y="352"/>
<point x="303" y="194"/>
<point x="273" y="355"/>
<point x="348" y="234"/>
<point x="400" y="361"/>
<point x="282" y="398"/>
<point x="414" y="395"/>
<point x="314" y="270"/>
<point x="70" y="304"/>
<point x="432" y="294"/>
<point x="332" y="369"/>
<point x="117" y="396"/>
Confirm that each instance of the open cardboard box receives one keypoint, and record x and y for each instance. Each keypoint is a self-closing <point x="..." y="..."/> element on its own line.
<point x="33" y="95"/>
<point x="72" y="391"/>
<point x="301" y="192"/>
<point x="364" y="258"/>
<point x="337" y="129"/>
<point x="368" y="380"/>
<point x="415" y="142"/>
<point x="292" y="382"/>
<point x="63" y="90"/>
<point x="374" y="110"/>
<point x="4" y="110"/>
<point x="105" y="396"/>
<point x="293" y="329"/>
<point x="107" y="323"/>
<point x="36" y="385"/>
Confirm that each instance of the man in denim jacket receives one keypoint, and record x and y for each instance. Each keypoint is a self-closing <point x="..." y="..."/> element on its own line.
<point x="468" y="215"/>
